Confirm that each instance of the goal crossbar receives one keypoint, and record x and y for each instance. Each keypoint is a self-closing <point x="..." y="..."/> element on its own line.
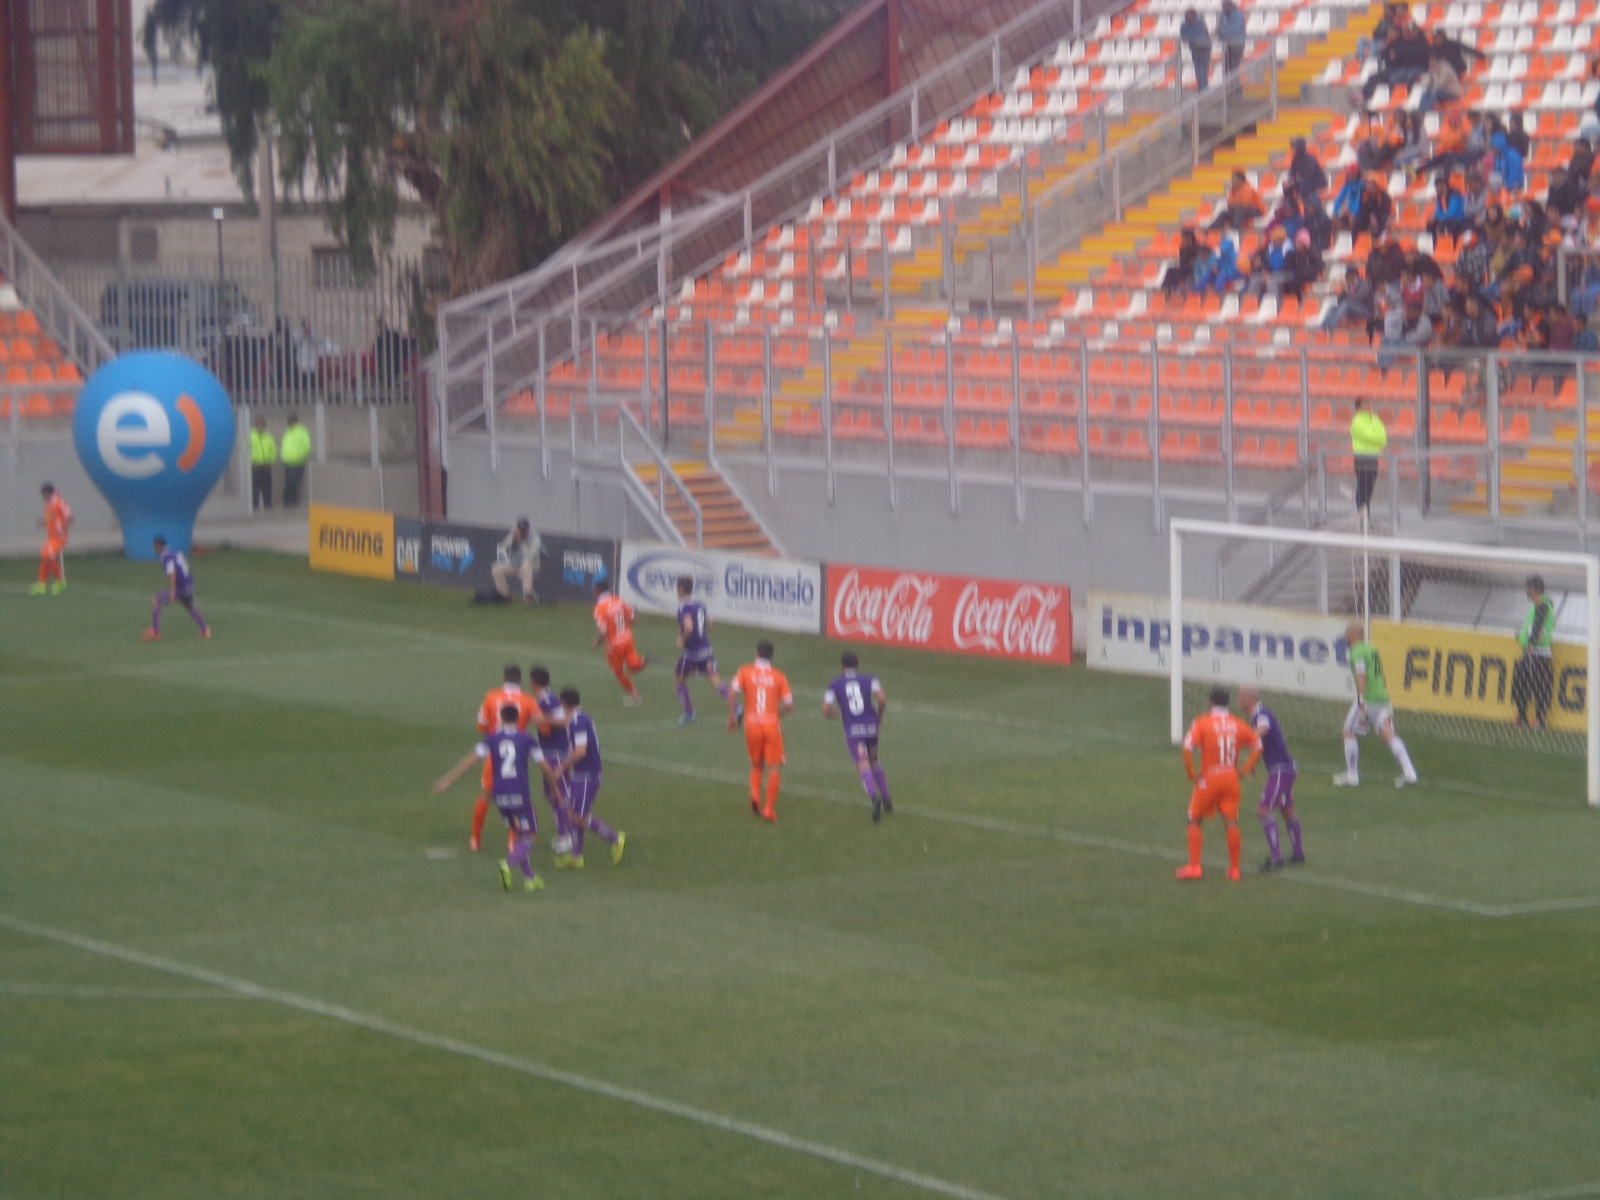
<point x="1389" y="547"/>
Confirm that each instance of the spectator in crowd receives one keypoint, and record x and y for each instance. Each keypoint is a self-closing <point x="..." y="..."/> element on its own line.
<point x="1449" y="215"/>
<point x="263" y="453"/>
<point x="1376" y="143"/>
<point x="1179" y="276"/>
<point x="1440" y="86"/>
<point x="1220" y="271"/>
<point x="1243" y="207"/>
<point x="1517" y="134"/>
<point x="1404" y="325"/>
<point x="1581" y="163"/>
<point x="1474" y="196"/>
<point x="1459" y="55"/>
<point x="1376" y="210"/>
<point x="1413" y="148"/>
<point x="1194" y="34"/>
<point x="1368" y="437"/>
<point x="1347" y="200"/>
<point x="1385" y="263"/>
<point x="1272" y="265"/>
<point x="1289" y="215"/>
<point x="1568" y="193"/>
<point x="1450" y="149"/>
<point x="1533" y="677"/>
<point x="1304" y="265"/>
<point x="295" y="450"/>
<point x="518" y="555"/>
<point x="1231" y="32"/>
<point x="1507" y="162"/>
<point x="1306" y="173"/>
<point x="392" y="353"/>
<point x="1403" y="59"/>
<point x="1472" y="263"/>
<point x="1353" y="301"/>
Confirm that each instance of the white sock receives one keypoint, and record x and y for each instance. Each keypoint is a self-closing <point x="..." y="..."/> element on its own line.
<point x="1403" y="757"/>
<point x="1352" y="757"/>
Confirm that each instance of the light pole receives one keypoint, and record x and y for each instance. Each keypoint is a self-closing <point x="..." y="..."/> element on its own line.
<point x="217" y="215"/>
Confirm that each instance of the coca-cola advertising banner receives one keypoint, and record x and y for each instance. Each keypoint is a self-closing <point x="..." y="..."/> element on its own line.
<point x="954" y="613"/>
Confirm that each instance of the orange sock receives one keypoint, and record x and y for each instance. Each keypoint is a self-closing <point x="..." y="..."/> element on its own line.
<point x="1233" y="846"/>
<point x="1196" y="840"/>
<point x="772" y="791"/>
<point x="480" y="810"/>
<point x="755" y="787"/>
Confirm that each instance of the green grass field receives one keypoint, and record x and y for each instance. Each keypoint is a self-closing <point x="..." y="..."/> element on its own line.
<point x="244" y="952"/>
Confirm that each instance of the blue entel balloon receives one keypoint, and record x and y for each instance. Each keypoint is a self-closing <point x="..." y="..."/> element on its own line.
<point x="155" y="431"/>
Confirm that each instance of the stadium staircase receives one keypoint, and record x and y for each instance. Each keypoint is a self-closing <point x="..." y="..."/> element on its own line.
<point x="725" y="522"/>
<point x="792" y="278"/>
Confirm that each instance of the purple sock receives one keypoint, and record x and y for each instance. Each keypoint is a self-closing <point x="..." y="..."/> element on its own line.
<point x="722" y="691"/>
<point x="521" y="857"/>
<point x="155" y="615"/>
<point x="198" y="619"/>
<point x="1294" y="836"/>
<point x="683" y="699"/>
<point x="869" y="781"/>
<point x="602" y="831"/>
<point x="1269" y="826"/>
<point x="883" y="781"/>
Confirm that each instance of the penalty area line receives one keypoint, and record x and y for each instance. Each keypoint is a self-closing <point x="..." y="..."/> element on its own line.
<point x="433" y="1041"/>
<point x="1576" y="1192"/>
<point x="1374" y="891"/>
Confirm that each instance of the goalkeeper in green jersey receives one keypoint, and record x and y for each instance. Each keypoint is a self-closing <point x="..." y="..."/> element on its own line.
<point x="1370" y="711"/>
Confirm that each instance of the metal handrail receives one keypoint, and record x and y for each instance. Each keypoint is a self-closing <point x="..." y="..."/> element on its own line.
<point x="38" y="287"/>
<point x="627" y="421"/>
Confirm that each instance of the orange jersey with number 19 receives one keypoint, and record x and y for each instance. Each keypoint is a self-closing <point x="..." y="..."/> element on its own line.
<point x="1219" y="736"/>
<point x="614" y="619"/>
<point x="765" y="690"/>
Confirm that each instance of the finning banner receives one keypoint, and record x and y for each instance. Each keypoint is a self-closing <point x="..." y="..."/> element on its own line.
<point x="739" y="589"/>
<point x="958" y="614"/>
<point x="352" y="541"/>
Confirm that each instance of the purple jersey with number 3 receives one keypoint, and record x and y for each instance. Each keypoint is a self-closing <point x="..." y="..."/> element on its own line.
<point x="854" y="695"/>
<point x="1274" y="750"/>
<point x="176" y="567"/>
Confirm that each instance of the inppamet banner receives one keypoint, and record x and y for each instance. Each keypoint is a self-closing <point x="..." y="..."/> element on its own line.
<point x="1277" y="650"/>
<point x="1463" y="673"/>
<point x="737" y="589"/>
<point x="954" y="613"/>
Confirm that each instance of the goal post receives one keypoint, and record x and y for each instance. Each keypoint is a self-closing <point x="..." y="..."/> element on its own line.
<point x="1266" y="606"/>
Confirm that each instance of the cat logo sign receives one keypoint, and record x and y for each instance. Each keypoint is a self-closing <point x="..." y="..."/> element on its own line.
<point x="1459" y="673"/>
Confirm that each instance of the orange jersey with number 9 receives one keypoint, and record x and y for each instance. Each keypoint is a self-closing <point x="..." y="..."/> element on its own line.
<point x="615" y="620"/>
<point x="1220" y="736"/>
<point x="765" y="690"/>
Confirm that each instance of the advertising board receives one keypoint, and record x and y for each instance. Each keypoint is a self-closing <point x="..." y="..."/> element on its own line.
<point x="352" y="541"/>
<point x="737" y="589"/>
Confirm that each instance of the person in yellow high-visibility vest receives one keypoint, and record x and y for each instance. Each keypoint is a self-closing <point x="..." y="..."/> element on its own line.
<point x="1368" y="437"/>
<point x="295" y="450"/>
<point x="263" y="453"/>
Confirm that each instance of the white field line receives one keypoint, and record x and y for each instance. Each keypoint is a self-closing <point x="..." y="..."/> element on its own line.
<point x="1000" y="720"/>
<point x="537" y="1070"/>
<point x="1575" y="1192"/>
<point x="1119" y="845"/>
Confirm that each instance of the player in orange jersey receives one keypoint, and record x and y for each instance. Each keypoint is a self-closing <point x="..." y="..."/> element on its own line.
<point x="57" y="520"/>
<point x="508" y="693"/>
<point x="767" y="699"/>
<point x="615" y="620"/>
<point x="1211" y="757"/>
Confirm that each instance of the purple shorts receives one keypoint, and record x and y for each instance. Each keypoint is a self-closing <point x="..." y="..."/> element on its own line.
<point x="517" y="813"/>
<point x="696" y="666"/>
<point x="581" y="791"/>
<point x="1279" y="792"/>
<point x="860" y="746"/>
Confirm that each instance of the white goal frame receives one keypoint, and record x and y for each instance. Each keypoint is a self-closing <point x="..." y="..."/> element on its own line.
<point x="1387" y="547"/>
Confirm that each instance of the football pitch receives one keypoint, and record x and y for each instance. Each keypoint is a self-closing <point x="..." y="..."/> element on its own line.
<point x="244" y="951"/>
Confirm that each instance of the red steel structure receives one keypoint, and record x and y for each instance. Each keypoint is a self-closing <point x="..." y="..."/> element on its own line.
<point x="67" y="85"/>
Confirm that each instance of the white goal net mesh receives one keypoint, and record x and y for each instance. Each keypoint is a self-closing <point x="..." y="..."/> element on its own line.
<point x="1481" y="645"/>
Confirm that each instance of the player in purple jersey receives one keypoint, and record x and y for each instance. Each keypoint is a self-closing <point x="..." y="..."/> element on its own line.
<point x="694" y="642"/>
<point x="580" y="774"/>
<point x="861" y="703"/>
<point x="1278" y="795"/>
<point x="180" y="589"/>
<point x="552" y="730"/>
<point x="509" y="752"/>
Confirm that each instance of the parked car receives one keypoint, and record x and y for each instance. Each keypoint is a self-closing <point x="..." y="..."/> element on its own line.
<point x="173" y="314"/>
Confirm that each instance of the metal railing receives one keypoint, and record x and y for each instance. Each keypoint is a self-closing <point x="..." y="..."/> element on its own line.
<point x="59" y="314"/>
<point x="628" y="424"/>
<point x="1246" y="425"/>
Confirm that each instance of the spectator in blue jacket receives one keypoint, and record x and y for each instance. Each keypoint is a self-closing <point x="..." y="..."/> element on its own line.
<point x="1231" y="31"/>
<point x="1508" y="163"/>
<point x="1449" y="212"/>
<point x="1347" y="203"/>
<point x="1194" y="34"/>
<point x="1221" y="271"/>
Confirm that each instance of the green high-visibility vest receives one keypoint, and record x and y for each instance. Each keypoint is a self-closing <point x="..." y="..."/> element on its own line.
<point x="1368" y="437"/>
<point x="296" y="446"/>
<point x="263" y="450"/>
<point x="1538" y="627"/>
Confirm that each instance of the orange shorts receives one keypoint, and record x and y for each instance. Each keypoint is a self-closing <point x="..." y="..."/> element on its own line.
<point x="625" y="655"/>
<point x="765" y="743"/>
<point x="53" y="548"/>
<point x="1215" y="794"/>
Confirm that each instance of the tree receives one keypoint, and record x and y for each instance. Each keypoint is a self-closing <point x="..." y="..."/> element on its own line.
<point x="516" y="121"/>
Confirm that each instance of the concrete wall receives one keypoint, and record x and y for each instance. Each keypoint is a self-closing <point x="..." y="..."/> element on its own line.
<point x="479" y="495"/>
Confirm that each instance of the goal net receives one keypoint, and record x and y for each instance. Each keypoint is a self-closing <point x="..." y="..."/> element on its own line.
<point x="1269" y="608"/>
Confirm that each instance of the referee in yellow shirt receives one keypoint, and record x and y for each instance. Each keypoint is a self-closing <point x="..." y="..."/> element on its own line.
<point x="295" y="450"/>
